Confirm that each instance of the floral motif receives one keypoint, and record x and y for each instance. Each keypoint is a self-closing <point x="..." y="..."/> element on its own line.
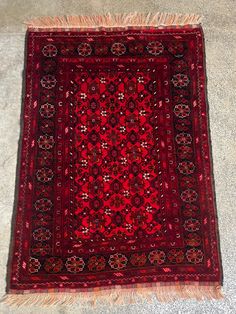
<point x="117" y="261"/>
<point x="176" y="256"/>
<point x="183" y="139"/>
<point x="47" y="110"/>
<point x="183" y="125"/>
<point x="75" y="264"/>
<point x="116" y="186"/>
<point x="41" y="249"/>
<point x="34" y="265"/>
<point x="100" y="49"/>
<point x="180" y="80"/>
<point x="189" y="196"/>
<point x="118" y="49"/>
<point x="157" y="257"/>
<point x="83" y="96"/>
<point x="185" y="152"/>
<point x="42" y="219"/>
<point x="53" y="265"/>
<point x="98" y="221"/>
<point x="42" y="234"/>
<point x="190" y="210"/>
<point x="191" y="225"/>
<point x="186" y="167"/>
<point x="49" y="66"/>
<point x="117" y="201"/>
<point x="47" y="96"/>
<point x="136" y="48"/>
<point x="44" y="175"/>
<point x="138" y="259"/>
<point x="131" y="87"/>
<point x="43" y="190"/>
<point x="49" y="50"/>
<point x="137" y="200"/>
<point x="46" y="141"/>
<point x="193" y="239"/>
<point x="67" y="49"/>
<point x="48" y="81"/>
<point x="45" y="158"/>
<point x="136" y="184"/>
<point x="180" y="66"/>
<point x="155" y="48"/>
<point x="47" y="126"/>
<point x="187" y="182"/>
<point x="176" y="48"/>
<point x="84" y="49"/>
<point x="181" y="110"/>
<point x="96" y="263"/>
<point x="94" y="137"/>
<point x="180" y="96"/>
<point x="96" y="203"/>
<point x="93" y="88"/>
<point x="194" y="256"/>
<point x="43" y="204"/>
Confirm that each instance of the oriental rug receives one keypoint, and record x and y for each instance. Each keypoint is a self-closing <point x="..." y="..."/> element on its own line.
<point x="115" y="194"/>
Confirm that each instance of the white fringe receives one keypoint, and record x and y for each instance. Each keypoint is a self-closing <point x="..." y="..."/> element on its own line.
<point x="163" y="293"/>
<point x="109" y="20"/>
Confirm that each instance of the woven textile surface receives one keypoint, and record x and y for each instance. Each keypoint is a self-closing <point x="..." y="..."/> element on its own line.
<point x="115" y="183"/>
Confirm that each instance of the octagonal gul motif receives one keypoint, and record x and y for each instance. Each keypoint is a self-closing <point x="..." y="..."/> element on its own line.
<point x="43" y="204"/>
<point x="48" y="81"/>
<point x="47" y="110"/>
<point x="49" y="50"/>
<point x="74" y="264"/>
<point x="155" y="48"/>
<point x="84" y="49"/>
<point x="117" y="261"/>
<point x="118" y="49"/>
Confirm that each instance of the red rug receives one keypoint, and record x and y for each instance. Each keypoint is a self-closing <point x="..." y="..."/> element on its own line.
<point x="115" y="183"/>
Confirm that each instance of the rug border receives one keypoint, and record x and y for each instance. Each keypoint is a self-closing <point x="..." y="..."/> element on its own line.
<point x="210" y="149"/>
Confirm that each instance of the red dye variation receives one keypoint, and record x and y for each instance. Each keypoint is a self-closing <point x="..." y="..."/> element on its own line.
<point x="115" y="182"/>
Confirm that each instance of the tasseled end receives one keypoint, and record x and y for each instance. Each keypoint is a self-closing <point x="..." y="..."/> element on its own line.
<point x="109" y="20"/>
<point x="118" y="295"/>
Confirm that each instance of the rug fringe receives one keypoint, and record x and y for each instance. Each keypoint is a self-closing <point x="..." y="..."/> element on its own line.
<point x="118" y="295"/>
<point x="114" y="20"/>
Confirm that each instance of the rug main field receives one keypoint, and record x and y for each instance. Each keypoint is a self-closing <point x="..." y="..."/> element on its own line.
<point x="115" y="176"/>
